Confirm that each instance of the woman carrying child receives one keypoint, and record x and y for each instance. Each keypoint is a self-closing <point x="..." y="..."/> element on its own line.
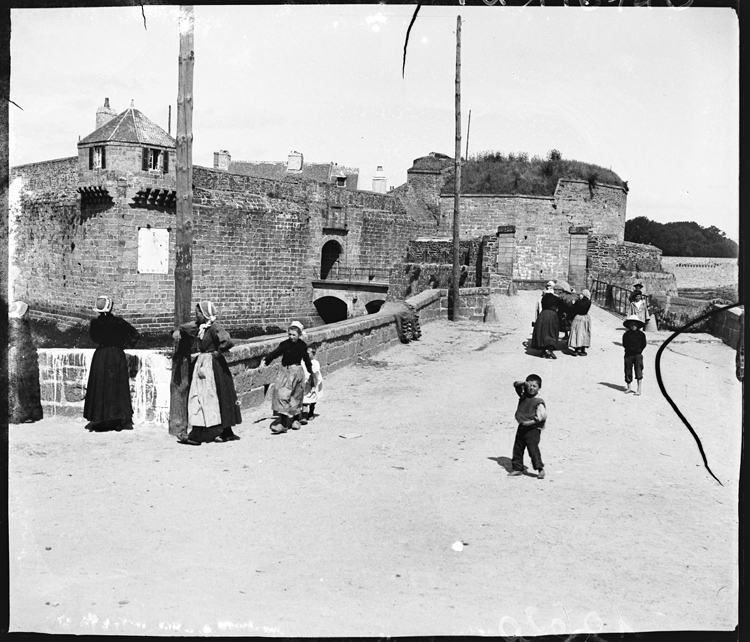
<point x="289" y="390"/>
<point x="313" y="386"/>
<point x="212" y="401"/>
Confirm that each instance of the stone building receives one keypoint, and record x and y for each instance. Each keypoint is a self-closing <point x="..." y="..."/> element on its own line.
<point x="294" y="166"/>
<point x="270" y="248"/>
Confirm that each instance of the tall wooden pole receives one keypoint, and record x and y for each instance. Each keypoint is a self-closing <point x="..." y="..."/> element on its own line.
<point x="183" y="271"/>
<point x="453" y="295"/>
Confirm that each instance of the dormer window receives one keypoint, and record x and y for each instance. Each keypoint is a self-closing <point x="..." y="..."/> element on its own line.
<point x="155" y="160"/>
<point x="341" y="181"/>
<point x="97" y="157"/>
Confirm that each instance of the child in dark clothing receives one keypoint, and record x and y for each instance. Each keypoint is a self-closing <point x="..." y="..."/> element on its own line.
<point x="531" y="416"/>
<point x="634" y="341"/>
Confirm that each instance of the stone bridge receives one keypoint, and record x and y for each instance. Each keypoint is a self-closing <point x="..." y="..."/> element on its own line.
<point x="339" y="300"/>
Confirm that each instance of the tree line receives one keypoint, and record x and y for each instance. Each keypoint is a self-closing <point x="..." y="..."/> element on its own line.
<point x="684" y="238"/>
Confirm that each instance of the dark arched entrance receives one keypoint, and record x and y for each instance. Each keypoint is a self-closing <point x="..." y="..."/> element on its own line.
<point x="331" y="309"/>
<point x="329" y="257"/>
<point x="374" y="306"/>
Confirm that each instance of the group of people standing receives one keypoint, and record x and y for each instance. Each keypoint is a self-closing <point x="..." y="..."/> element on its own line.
<point x="211" y="404"/>
<point x="566" y="312"/>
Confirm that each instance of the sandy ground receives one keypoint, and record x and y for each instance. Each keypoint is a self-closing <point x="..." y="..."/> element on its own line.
<point x="313" y="534"/>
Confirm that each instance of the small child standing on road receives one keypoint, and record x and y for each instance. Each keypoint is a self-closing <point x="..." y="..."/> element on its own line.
<point x="634" y="341"/>
<point x="531" y="416"/>
<point x="313" y="386"/>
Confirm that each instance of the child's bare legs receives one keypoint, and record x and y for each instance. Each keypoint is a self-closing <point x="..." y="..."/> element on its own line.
<point x="638" y="391"/>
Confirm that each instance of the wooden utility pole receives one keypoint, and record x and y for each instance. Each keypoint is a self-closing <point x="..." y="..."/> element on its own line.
<point x="453" y="296"/>
<point x="183" y="269"/>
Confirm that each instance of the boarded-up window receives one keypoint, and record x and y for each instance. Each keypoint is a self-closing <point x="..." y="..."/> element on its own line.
<point x="153" y="251"/>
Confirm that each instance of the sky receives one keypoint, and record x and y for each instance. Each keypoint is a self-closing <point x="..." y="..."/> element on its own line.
<point x="652" y="93"/>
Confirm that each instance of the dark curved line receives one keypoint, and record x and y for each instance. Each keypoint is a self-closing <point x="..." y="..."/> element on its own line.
<point x="406" y="42"/>
<point x="657" y="368"/>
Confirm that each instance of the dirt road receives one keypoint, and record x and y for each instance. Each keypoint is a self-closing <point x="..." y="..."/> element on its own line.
<point x="313" y="534"/>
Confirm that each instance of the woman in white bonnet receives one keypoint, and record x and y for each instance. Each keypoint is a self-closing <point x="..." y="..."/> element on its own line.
<point x="212" y="401"/>
<point x="289" y="389"/>
<point x="580" y="329"/>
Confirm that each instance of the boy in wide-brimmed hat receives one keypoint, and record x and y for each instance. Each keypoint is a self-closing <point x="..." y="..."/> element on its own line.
<point x="634" y="341"/>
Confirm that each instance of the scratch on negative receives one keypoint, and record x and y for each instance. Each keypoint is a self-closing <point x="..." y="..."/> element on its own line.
<point x="406" y="42"/>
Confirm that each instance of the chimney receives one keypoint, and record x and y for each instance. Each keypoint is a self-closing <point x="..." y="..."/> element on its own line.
<point x="104" y="114"/>
<point x="294" y="162"/>
<point x="379" y="181"/>
<point x="222" y="159"/>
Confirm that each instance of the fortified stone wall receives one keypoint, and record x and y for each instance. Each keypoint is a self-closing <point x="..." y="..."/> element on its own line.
<point x="543" y="224"/>
<point x="48" y="175"/>
<point x="607" y="253"/>
<point x="257" y="244"/>
<point x="702" y="272"/>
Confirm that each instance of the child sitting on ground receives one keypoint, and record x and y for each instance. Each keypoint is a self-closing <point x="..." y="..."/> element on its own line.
<point x="634" y="341"/>
<point x="531" y="416"/>
<point x="313" y="386"/>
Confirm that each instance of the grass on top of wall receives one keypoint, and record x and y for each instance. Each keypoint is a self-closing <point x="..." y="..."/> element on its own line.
<point x="516" y="173"/>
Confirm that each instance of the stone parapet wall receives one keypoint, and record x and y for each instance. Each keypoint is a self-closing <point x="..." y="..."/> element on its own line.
<point x="726" y="326"/>
<point x="54" y="175"/>
<point x="694" y="272"/>
<point x="608" y="253"/>
<point x="64" y="373"/>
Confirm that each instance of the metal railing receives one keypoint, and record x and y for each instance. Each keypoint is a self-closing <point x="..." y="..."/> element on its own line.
<point x="614" y="298"/>
<point x="357" y="275"/>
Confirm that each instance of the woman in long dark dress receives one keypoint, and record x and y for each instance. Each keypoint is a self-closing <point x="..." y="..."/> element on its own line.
<point x="108" y="403"/>
<point x="289" y="389"/>
<point x="212" y="401"/>
<point x="547" y="327"/>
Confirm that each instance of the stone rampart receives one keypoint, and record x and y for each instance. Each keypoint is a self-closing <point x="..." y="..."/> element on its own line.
<point x="257" y="244"/>
<point x="693" y="272"/>
<point x="607" y="253"/>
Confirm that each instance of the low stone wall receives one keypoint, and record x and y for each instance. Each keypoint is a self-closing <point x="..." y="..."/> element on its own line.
<point x="64" y="373"/>
<point x="63" y="376"/>
<point x="726" y="326"/>
<point x="654" y="283"/>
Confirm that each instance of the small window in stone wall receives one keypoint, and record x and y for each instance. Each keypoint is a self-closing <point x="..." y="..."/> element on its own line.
<point x="153" y="251"/>
<point x="98" y="157"/>
<point x="155" y="160"/>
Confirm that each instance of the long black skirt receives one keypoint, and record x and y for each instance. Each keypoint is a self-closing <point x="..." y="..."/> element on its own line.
<point x="108" y="389"/>
<point x="546" y="330"/>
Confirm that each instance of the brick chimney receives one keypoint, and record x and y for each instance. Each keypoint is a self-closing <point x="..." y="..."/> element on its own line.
<point x="104" y="114"/>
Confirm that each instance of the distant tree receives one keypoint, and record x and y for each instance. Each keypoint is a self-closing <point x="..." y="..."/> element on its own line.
<point x="684" y="238"/>
<point x="554" y="155"/>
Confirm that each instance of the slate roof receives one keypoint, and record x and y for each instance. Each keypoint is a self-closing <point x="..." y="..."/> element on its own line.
<point x="131" y="126"/>
<point x="321" y="172"/>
